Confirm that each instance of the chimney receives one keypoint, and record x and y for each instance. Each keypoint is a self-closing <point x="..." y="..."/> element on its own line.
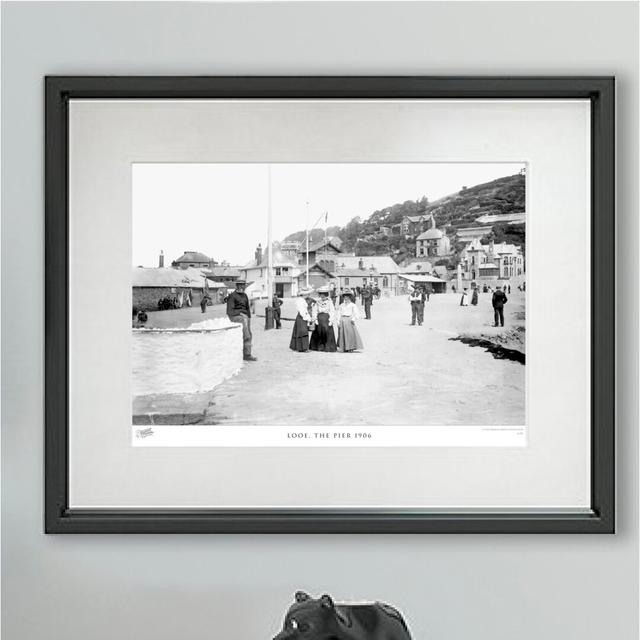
<point x="258" y="254"/>
<point x="161" y="260"/>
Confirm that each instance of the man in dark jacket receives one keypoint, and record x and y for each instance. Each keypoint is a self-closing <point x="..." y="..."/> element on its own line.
<point x="367" y="301"/>
<point x="276" y="303"/>
<point x="239" y="311"/>
<point x="498" y="300"/>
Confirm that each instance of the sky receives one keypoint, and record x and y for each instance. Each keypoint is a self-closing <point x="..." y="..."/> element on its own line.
<point x="221" y="210"/>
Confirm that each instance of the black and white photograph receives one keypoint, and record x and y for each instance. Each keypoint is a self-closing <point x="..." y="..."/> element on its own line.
<point x="328" y="295"/>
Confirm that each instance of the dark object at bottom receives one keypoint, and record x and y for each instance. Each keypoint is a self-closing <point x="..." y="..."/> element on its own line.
<point x="496" y="350"/>
<point x="319" y="619"/>
<point x="299" y="335"/>
<point x="268" y="318"/>
<point x="323" y="338"/>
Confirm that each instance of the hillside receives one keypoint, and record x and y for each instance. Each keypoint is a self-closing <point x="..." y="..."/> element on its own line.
<point x="460" y="209"/>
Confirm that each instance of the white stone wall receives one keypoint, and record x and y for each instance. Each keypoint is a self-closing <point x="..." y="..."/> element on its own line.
<point x="184" y="360"/>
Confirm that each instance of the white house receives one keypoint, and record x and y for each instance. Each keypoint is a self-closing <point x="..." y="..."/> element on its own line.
<point x="285" y="275"/>
<point x="380" y="271"/>
<point x="493" y="262"/>
<point x="433" y="242"/>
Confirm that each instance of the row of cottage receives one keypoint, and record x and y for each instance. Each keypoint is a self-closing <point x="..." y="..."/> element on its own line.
<point x="196" y="273"/>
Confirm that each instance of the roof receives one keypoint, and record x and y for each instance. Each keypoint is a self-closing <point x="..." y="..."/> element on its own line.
<point x="278" y="259"/>
<point x="314" y="267"/>
<point x="224" y="272"/>
<point x="473" y="231"/>
<point x="315" y="246"/>
<point x="519" y="216"/>
<point x="421" y="218"/>
<point x="167" y="277"/>
<point x="430" y="234"/>
<point x="417" y="266"/>
<point x="475" y="245"/>
<point x="504" y="247"/>
<point x="382" y="264"/>
<point x="357" y="273"/>
<point x="441" y="270"/>
<point x="413" y="278"/>
<point x="192" y="256"/>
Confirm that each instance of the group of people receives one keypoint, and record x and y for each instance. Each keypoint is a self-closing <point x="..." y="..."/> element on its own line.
<point x="316" y="319"/>
<point x="314" y="325"/>
<point x="498" y="300"/>
<point x="373" y="289"/>
<point x="175" y="302"/>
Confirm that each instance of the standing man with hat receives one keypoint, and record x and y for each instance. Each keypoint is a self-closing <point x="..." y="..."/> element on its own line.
<point x="367" y="301"/>
<point x="417" y="306"/>
<point x="239" y="311"/>
<point x="276" y="303"/>
<point x="498" y="300"/>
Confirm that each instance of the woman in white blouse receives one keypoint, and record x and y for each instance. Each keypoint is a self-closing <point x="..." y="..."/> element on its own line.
<point x="347" y="314"/>
<point x="323" y="316"/>
<point x="300" y="334"/>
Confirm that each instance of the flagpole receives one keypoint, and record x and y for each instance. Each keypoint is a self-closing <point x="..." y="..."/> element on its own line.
<point x="307" y="278"/>
<point x="269" y="243"/>
<point x="326" y="217"/>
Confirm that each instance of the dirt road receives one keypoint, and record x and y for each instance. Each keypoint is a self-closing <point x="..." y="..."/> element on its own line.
<point x="405" y="374"/>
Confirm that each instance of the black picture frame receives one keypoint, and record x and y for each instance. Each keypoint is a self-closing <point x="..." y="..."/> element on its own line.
<point x="59" y="518"/>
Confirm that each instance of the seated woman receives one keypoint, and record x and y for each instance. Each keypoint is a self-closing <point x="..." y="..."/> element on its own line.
<point x="348" y="336"/>
<point x="323" y="315"/>
<point x="300" y="334"/>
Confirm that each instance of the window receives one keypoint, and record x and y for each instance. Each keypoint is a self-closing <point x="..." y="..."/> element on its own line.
<point x="278" y="271"/>
<point x="364" y="281"/>
<point x="385" y="281"/>
<point x="346" y="281"/>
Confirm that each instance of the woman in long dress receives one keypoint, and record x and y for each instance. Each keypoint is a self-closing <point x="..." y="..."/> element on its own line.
<point x="323" y="337"/>
<point x="300" y="334"/>
<point x="348" y="336"/>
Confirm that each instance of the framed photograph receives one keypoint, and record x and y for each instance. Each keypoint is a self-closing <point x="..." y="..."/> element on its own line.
<point x="330" y="304"/>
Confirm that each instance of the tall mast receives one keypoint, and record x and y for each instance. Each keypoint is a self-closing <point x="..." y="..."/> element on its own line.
<point x="269" y="243"/>
<point x="307" y="245"/>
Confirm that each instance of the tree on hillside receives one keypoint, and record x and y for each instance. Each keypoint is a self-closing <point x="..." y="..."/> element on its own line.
<point x="509" y="233"/>
<point x="351" y="233"/>
<point x="300" y="236"/>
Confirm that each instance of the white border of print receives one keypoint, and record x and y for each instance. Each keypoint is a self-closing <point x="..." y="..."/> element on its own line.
<point x="327" y="436"/>
<point x="106" y="137"/>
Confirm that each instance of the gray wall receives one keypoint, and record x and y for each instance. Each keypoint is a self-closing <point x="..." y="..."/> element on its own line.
<point x="167" y="587"/>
